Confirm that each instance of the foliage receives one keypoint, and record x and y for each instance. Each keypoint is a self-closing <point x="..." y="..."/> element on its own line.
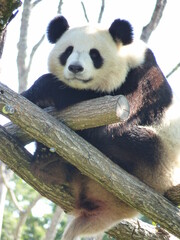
<point x="34" y="228"/>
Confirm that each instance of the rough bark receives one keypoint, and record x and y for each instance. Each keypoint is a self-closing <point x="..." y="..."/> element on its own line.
<point x="155" y="19"/>
<point x="85" y="157"/>
<point x="89" y="114"/>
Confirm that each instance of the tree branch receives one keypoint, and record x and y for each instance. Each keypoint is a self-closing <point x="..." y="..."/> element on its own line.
<point x="59" y="11"/>
<point x="12" y="195"/>
<point x="34" y="49"/>
<point x="23" y="68"/>
<point x="17" y="158"/>
<point x="22" y="46"/>
<point x="35" y="3"/>
<point x="137" y="229"/>
<point x="101" y="11"/>
<point x="155" y="19"/>
<point x="173" y="70"/>
<point x="84" y="10"/>
<point x="89" y="114"/>
<point x="86" y="158"/>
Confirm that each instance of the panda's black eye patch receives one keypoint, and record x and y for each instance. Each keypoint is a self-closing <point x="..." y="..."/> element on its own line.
<point x="64" y="56"/>
<point x="96" y="58"/>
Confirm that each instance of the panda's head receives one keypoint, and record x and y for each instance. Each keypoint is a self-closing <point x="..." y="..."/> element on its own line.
<point x="90" y="57"/>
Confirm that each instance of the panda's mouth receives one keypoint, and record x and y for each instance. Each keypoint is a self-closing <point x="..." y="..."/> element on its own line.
<point x="79" y="79"/>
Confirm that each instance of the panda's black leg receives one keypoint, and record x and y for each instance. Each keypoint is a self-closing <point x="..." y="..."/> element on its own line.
<point x="50" y="167"/>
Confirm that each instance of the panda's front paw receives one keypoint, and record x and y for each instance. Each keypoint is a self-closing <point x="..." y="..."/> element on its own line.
<point x="43" y="161"/>
<point x="42" y="154"/>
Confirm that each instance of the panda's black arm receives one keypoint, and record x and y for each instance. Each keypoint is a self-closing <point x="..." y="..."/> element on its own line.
<point x="48" y="90"/>
<point x="41" y="90"/>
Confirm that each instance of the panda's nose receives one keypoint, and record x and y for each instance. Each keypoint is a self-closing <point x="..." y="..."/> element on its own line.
<point x="75" y="68"/>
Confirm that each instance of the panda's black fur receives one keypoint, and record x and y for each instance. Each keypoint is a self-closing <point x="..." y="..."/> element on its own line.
<point x="142" y="145"/>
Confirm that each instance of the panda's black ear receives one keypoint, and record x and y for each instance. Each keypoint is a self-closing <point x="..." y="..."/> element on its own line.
<point x="56" y="28"/>
<point x="121" y="31"/>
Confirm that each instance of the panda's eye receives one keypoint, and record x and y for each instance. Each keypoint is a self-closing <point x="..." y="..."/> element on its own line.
<point x="96" y="57"/>
<point x="64" y="56"/>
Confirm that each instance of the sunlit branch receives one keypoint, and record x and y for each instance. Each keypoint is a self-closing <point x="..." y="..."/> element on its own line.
<point x="60" y="7"/>
<point x="84" y="10"/>
<point x="34" y="49"/>
<point x="173" y="70"/>
<point x="155" y="19"/>
<point x="35" y="3"/>
<point x="101" y="11"/>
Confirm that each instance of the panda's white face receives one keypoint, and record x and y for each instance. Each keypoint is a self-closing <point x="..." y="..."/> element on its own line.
<point x="89" y="58"/>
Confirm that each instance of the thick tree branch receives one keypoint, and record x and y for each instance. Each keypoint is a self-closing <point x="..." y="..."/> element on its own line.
<point x="89" y="114"/>
<point x="18" y="159"/>
<point x="14" y="155"/>
<point x="87" y="159"/>
<point x="155" y="19"/>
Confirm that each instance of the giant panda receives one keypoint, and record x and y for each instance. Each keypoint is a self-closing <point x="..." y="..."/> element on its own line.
<point x="90" y="62"/>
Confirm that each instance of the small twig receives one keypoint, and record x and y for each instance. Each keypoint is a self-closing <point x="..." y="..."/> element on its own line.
<point x="34" y="49"/>
<point x="84" y="10"/>
<point x="35" y="3"/>
<point x="101" y="11"/>
<point x="12" y="194"/>
<point x="60" y="7"/>
<point x="173" y="70"/>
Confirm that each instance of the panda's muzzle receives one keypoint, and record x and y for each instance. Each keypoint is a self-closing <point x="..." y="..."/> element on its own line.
<point x="76" y="69"/>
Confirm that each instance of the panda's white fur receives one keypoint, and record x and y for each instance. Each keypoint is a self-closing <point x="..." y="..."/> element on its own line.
<point x="169" y="132"/>
<point x="149" y="140"/>
<point x="118" y="59"/>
